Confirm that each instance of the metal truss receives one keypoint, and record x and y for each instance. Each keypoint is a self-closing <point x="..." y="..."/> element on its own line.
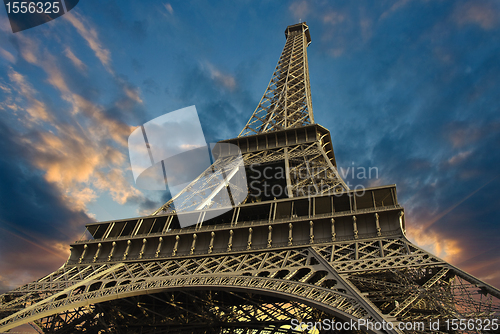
<point x="187" y="312"/>
<point x="322" y="176"/>
<point x="286" y="104"/>
<point x="307" y="168"/>
<point x="342" y="257"/>
<point x="287" y="100"/>
<point x="292" y="273"/>
<point x="388" y="279"/>
<point x="410" y="284"/>
<point x="205" y="191"/>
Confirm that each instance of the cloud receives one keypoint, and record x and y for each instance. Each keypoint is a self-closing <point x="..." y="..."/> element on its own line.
<point x="486" y="14"/>
<point x="89" y="33"/>
<point x="395" y="7"/>
<point x="80" y="198"/>
<point x="344" y="29"/>
<point x="299" y="10"/>
<point x="114" y="182"/>
<point x="35" y="108"/>
<point x="28" y="49"/>
<point x="151" y="86"/>
<point x="438" y="244"/>
<point x="79" y="162"/>
<point x="7" y="55"/>
<point x="133" y="93"/>
<point x="429" y="129"/>
<point x="5" y="25"/>
<point x="225" y="80"/>
<point x="333" y="18"/>
<point x="462" y="134"/>
<point x="169" y="8"/>
<point x="36" y="222"/>
<point x="77" y="62"/>
<point x="223" y="112"/>
<point x="103" y="125"/>
<point x="66" y="157"/>
<point x="459" y="157"/>
<point x="61" y="148"/>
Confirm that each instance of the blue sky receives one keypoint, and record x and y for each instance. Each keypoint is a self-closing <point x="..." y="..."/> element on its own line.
<point x="408" y="87"/>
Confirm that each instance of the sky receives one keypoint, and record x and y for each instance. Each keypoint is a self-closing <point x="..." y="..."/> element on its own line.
<point x="407" y="87"/>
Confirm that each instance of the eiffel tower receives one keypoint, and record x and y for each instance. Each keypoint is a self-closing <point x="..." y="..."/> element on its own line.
<point x="315" y="250"/>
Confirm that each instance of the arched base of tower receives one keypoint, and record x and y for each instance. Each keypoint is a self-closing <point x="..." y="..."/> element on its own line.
<point x="189" y="312"/>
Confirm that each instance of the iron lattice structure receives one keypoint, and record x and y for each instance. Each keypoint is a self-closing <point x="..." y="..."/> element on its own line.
<point x="287" y="100"/>
<point x="317" y="251"/>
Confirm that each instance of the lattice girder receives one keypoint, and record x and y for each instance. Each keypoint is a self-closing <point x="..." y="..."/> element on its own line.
<point x="408" y="283"/>
<point x="286" y="102"/>
<point x="420" y="284"/>
<point x="297" y="270"/>
<point x="191" y="311"/>
<point x="307" y="162"/>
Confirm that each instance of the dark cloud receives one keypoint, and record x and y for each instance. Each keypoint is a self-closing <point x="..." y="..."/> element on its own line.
<point x="34" y="218"/>
<point x="223" y="109"/>
<point x="28" y="200"/>
<point x="137" y="66"/>
<point x="127" y="105"/>
<point x="41" y="157"/>
<point x="139" y="30"/>
<point x="146" y="205"/>
<point x="151" y="86"/>
<point x="149" y="205"/>
<point x="132" y="29"/>
<point x="417" y="99"/>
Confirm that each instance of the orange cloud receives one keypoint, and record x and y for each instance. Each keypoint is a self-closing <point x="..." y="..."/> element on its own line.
<point x="76" y="162"/>
<point x="465" y="135"/>
<point x="114" y="182"/>
<point x="89" y="33"/>
<point x="455" y="252"/>
<point x="133" y="94"/>
<point x="76" y="61"/>
<point x="436" y="243"/>
<point x="29" y="49"/>
<point x="35" y="108"/>
<point x="80" y="162"/>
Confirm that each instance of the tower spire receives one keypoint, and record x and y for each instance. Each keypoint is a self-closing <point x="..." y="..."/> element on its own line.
<point x="281" y="136"/>
<point x="286" y="102"/>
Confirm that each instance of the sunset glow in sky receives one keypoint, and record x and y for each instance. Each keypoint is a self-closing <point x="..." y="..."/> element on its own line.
<point x="408" y="87"/>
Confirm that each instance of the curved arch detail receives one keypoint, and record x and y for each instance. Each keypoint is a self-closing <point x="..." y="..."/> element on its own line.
<point x="329" y="300"/>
